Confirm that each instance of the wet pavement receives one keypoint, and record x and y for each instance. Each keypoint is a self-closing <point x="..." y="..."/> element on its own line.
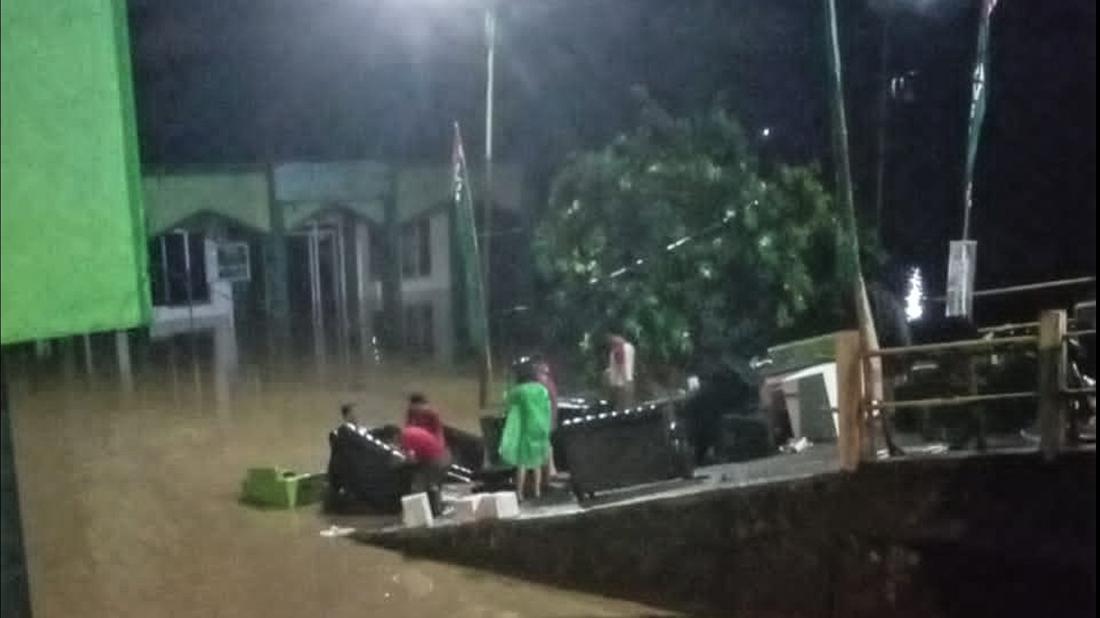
<point x="130" y="499"/>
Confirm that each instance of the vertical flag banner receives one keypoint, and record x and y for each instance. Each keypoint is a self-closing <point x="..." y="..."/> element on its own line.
<point x="466" y="239"/>
<point x="978" y="94"/>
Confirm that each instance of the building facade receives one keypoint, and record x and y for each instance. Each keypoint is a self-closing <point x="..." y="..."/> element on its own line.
<point x="333" y="253"/>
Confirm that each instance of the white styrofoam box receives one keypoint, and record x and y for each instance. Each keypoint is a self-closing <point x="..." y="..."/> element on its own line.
<point x="499" y="505"/>
<point x="416" y="511"/>
<point x="467" y="507"/>
<point x="789" y="384"/>
<point x="486" y="507"/>
<point x="505" y="504"/>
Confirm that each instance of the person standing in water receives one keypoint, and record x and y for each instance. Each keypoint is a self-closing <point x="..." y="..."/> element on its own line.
<point x="620" y="371"/>
<point x="525" y="440"/>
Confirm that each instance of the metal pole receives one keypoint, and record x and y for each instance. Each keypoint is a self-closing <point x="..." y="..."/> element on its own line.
<point x="490" y="61"/>
<point x="883" y="126"/>
<point x="486" y="374"/>
<point x="190" y="292"/>
<point x="340" y="263"/>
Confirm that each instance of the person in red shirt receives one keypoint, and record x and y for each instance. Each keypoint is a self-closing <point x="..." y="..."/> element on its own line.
<point x="423" y="443"/>
<point x="420" y="413"/>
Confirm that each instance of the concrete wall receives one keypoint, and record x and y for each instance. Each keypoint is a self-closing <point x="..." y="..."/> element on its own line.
<point x="1000" y="535"/>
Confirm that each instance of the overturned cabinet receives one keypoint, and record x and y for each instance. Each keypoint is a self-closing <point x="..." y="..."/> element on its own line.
<point x="799" y="389"/>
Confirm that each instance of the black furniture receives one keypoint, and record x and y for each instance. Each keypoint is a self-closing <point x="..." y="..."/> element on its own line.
<point x="569" y="409"/>
<point x="621" y="448"/>
<point x="364" y="471"/>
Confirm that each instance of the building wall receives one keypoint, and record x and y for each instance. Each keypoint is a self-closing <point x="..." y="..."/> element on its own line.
<point x="435" y="290"/>
<point x="332" y="181"/>
<point x="241" y="196"/>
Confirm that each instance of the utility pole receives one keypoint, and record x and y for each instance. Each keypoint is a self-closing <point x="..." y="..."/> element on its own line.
<point x="485" y="377"/>
<point x="883" y="125"/>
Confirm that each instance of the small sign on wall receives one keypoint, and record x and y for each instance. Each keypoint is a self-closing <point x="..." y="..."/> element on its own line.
<point x="234" y="262"/>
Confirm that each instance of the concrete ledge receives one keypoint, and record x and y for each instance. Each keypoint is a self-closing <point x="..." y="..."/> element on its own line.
<point x="1001" y="534"/>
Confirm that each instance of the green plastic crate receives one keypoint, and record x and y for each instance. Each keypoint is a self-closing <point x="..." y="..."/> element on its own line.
<point x="281" y="488"/>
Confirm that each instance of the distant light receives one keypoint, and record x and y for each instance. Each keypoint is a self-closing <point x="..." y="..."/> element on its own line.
<point x="766" y="132"/>
<point x="914" y="298"/>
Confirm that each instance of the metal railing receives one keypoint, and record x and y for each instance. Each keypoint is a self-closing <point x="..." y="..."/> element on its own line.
<point x="1027" y="287"/>
<point x="856" y="377"/>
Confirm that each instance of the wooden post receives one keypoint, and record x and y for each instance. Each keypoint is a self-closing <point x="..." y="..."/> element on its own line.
<point x="1052" y="368"/>
<point x="849" y="381"/>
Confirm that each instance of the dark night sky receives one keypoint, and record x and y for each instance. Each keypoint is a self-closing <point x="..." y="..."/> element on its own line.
<point x="226" y="81"/>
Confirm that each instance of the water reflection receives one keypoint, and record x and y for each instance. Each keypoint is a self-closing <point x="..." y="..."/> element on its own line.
<point x="129" y="498"/>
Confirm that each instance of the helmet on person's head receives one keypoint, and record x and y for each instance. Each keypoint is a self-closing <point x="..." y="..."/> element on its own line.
<point x="523" y="368"/>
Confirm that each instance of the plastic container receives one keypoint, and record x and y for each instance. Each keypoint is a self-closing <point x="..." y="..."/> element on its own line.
<point x="281" y="488"/>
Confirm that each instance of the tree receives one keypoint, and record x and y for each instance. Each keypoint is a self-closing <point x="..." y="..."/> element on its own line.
<point x="676" y="236"/>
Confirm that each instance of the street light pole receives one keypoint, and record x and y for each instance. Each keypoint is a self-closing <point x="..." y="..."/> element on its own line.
<point x="883" y="127"/>
<point x="486" y="373"/>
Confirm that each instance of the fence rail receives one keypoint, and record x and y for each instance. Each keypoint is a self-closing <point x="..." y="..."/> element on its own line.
<point x="1027" y="287"/>
<point x="966" y="344"/>
<point x="942" y="402"/>
<point x="856" y="377"/>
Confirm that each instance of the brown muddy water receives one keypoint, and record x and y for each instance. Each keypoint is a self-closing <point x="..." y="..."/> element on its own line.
<point x="129" y="496"/>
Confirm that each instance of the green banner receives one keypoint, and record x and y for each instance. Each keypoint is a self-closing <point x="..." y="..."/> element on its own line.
<point x="977" y="109"/>
<point x="72" y="234"/>
<point x="466" y="242"/>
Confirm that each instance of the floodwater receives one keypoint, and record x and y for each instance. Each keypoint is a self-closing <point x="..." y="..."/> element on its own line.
<point x="129" y="494"/>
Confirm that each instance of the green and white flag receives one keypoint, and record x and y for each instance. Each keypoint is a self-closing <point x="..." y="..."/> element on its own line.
<point x="466" y="242"/>
<point x="977" y="108"/>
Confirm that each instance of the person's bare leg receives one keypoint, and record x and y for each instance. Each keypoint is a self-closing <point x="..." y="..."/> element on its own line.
<point x="537" y="473"/>
<point x="520" y="478"/>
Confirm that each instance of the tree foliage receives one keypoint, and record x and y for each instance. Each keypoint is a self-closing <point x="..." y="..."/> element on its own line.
<point x="759" y="261"/>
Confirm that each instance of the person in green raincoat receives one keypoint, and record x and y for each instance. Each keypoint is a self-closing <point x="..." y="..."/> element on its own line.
<point x="525" y="440"/>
